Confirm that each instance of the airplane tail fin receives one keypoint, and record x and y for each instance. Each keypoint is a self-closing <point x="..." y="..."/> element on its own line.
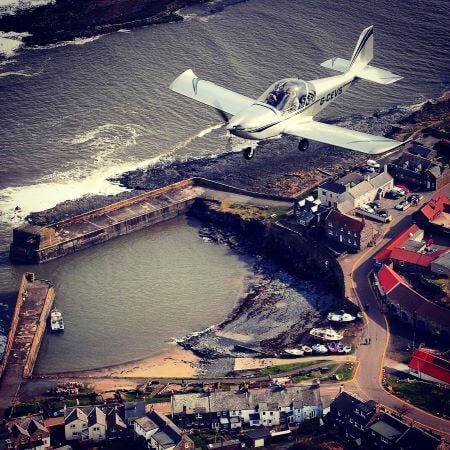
<point x="359" y="64"/>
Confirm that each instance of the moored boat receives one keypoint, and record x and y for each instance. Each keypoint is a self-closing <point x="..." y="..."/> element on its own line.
<point x="327" y="334"/>
<point x="332" y="347"/>
<point x="307" y="349"/>
<point x="319" y="348"/>
<point x="340" y="317"/>
<point x="294" y="351"/>
<point x="56" y="321"/>
<point x="347" y="348"/>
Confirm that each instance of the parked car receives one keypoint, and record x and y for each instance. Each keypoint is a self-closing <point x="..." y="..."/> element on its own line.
<point x="366" y="208"/>
<point x="402" y="188"/>
<point x="404" y="204"/>
<point x="367" y="169"/>
<point x="374" y="205"/>
<point x="384" y="214"/>
<point x="373" y="163"/>
<point x="395" y="194"/>
<point x="414" y="199"/>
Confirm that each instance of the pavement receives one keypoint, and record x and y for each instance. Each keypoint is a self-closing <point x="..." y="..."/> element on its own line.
<point x="367" y="381"/>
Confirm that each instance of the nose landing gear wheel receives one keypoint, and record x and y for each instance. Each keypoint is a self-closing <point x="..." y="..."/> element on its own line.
<point x="303" y="145"/>
<point x="248" y="153"/>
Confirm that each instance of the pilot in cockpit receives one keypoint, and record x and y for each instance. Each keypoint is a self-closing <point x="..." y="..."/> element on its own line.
<point x="290" y="101"/>
<point x="276" y="96"/>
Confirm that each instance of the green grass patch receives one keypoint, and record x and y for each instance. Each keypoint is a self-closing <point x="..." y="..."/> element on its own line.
<point x="253" y="212"/>
<point x="345" y="371"/>
<point x="428" y="396"/>
<point x="25" y="409"/>
<point x="201" y="440"/>
<point x="275" y="370"/>
<point x="150" y="400"/>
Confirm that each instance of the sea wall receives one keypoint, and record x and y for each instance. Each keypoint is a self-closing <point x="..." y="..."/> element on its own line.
<point x="14" y="323"/>
<point x="39" y="333"/>
<point x="299" y="252"/>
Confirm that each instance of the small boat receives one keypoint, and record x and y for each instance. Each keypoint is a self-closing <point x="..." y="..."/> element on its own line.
<point x="327" y="334"/>
<point x="340" y="317"/>
<point x="307" y="349"/>
<point x="294" y="351"/>
<point x="56" y="321"/>
<point x="332" y="347"/>
<point x="340" y="347"/>
<point x="319" y="348"/>
<point x="347" y="348"/>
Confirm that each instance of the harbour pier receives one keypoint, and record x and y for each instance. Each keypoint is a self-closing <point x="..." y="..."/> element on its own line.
<point x="38" y="244"/>
<point x="34" y="301"/>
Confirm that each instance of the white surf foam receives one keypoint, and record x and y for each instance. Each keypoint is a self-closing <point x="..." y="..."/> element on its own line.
<point x="76" y="41"/>
<point x="94" y="179"/>
<point x="12" y="6"/>
<point x="10" y="42"/>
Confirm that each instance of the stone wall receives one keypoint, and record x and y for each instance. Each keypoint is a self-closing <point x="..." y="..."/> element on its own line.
<point x="39" y="333"/>
<point x="14" y="322"/>
<point x="299" y="252"/>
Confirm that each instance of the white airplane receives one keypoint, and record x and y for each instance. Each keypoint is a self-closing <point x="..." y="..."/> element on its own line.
<point x="289" y="105"/>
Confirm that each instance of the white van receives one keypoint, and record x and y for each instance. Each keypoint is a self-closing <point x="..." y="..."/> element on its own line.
<point x="373" y="163"/>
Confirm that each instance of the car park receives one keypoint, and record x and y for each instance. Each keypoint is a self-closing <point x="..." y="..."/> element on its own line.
<point x="404" y="204"/>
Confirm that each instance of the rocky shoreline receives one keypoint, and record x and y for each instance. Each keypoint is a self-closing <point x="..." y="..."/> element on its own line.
<point x="65" y="20"/>
<point x="278" y="167"/>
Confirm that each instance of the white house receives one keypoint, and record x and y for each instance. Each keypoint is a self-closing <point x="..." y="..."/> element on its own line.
<point x="85" y="423"/>
<point x="354" y="189"/>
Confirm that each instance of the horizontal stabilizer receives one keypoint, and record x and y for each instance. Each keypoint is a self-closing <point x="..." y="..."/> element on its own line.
<point x="211" y="94"/>
<point x="342" y="137"/>
<point x="368" y="72"/>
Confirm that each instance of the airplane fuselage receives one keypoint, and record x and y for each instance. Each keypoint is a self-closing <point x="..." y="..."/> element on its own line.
<point x="263" y="121"/>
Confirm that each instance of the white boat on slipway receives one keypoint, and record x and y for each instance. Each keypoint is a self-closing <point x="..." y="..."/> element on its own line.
<point x="340" y="317"/>
<point x="56" y="321"/>
<point x="327" y="334"/>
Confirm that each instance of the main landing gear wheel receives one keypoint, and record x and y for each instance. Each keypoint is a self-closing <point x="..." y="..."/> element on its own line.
<point x="249" y="153"/>
<point x="303" y="145"/>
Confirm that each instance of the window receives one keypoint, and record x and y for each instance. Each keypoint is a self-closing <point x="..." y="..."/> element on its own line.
<point x="330" y="232"/>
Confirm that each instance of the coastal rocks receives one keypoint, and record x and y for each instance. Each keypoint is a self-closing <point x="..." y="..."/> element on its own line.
<point x="68" y="19"/>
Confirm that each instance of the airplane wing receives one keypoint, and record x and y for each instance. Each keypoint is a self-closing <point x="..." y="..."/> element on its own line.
<point x="211" y="94"/>
<point x="341" y="137"/>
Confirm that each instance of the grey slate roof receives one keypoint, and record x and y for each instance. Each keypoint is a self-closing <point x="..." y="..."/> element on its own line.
<point x="332" y="186"/>
<point x="146" y="424"/>
<point x="389" y="427"/>
<point x="133" y="410"/>
<point x="265" y="399"/>
<point x="380" y="180"/>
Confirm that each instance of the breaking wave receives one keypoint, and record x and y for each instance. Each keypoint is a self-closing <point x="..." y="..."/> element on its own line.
<point x="76" y="41"/>
<point x="12" y="6"/>
<point x="94" y="178"/>
<point x="11" y="42"/>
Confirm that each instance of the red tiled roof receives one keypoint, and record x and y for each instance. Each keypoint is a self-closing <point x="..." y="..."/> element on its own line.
<point x="435" y="207"/>
<point x="419" y="259"/>
<point x="389" y="279"/>
<point x="430" y="364"/>
<point x="348" y="223"/>
<point x="385" y="252"/>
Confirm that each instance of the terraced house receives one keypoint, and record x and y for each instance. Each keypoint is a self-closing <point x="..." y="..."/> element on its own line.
<point x="259" y="407"/>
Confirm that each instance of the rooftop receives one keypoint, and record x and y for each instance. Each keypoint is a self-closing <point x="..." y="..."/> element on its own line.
<point x="429" y="363"/>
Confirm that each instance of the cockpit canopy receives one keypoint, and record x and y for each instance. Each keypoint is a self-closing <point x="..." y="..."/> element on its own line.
<point x="289" y="95"/>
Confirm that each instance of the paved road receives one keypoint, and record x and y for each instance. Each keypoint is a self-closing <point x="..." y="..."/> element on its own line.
<point x="367" y="382"/>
